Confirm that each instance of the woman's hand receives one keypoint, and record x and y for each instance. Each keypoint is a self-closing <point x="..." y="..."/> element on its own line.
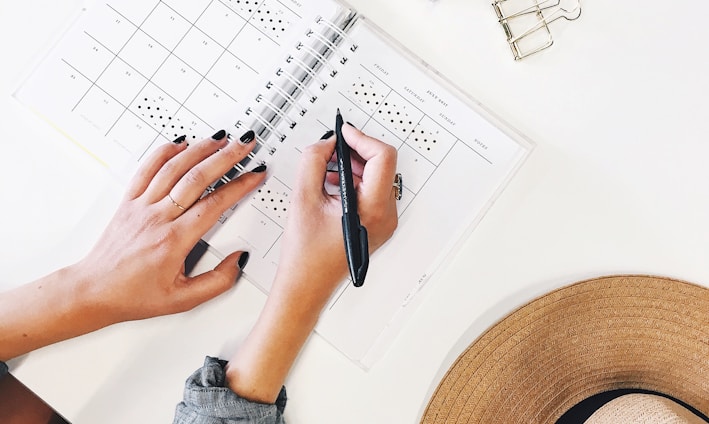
<point x="313" y="244"/>
<point x="136" y="269"/>
<point x="137" y="264"/>
<point x="312" y="260"/>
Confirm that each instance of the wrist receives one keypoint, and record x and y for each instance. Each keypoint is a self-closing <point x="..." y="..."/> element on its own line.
<point x="303" y="295"/>
<point x="87" y="297"/>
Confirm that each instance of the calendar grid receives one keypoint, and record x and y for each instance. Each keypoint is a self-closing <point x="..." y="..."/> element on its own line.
<point x="93" y="82"/>
<point x="144" y="40"/>
<point x="181" y="105"/>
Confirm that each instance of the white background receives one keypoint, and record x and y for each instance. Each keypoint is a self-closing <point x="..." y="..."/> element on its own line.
<point x="617" y="183"/>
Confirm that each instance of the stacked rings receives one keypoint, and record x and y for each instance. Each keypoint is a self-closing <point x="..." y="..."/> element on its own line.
<point x="398" y="186"/>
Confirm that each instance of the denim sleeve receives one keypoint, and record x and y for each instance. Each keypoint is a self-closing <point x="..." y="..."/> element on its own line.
<point x="207" y="400"/>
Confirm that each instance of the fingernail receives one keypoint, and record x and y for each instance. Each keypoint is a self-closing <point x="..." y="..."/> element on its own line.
<point x="259" y="169"/>
<point x="350" y="124"/>
<point x="327" y="135"/>
<point x="180" y="139"/>
<point x="248" y="137"/>
<point x="219" y="135"/>
<point x="243" y="260"/>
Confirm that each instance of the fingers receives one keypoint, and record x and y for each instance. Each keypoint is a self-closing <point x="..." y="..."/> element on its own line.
<point x="174" y="169"/>
<point x="192" y="185"/>
<point x="185" y="177"/>
<point x="201" y="216"/>
<point x="378" y="173"/>
<point x="215" y="282"/>
<point x="145" y="174"/>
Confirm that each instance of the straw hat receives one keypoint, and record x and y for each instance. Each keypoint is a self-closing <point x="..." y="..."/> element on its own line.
<point x="643" y="333"/>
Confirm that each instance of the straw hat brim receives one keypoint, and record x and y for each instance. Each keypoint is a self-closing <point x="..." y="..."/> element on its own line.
<point x="617" y="332"/>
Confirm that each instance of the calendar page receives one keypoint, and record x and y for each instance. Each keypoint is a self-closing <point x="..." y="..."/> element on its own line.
<point x="130" y="75"/>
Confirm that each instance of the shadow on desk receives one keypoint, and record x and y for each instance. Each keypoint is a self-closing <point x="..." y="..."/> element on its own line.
<point x="19" y="405"/>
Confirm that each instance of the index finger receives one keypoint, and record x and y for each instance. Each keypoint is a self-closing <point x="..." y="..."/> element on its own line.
<point x="380" y="166"/>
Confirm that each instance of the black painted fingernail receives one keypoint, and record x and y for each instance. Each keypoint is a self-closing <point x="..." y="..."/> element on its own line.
<point x="248" y="137"/>
<point x="259" y="169"/>
<point x="219" y="135"/>
<point x="350" y="124"/>
<point x="243" y="260"/>
<point x="180" y="139"/>
<point x="327" y="135"/>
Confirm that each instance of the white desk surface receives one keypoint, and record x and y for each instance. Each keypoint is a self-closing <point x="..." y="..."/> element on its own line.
<point x="618" y="183"/>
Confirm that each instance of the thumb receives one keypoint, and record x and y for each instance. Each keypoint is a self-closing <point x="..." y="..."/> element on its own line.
<point x="210" y="284"/>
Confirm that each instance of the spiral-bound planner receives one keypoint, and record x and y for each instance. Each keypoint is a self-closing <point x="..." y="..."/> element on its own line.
<point x="129" y="75"/>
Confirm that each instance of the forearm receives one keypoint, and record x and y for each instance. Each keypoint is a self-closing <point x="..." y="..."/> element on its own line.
<point x="56" y="307"/>
<point x="259" y="369"/>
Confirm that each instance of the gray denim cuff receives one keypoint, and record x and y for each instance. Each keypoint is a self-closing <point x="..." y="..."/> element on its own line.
<point x="207" y="400"/>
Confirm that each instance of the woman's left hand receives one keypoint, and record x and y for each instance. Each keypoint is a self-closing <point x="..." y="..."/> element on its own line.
<point x="137" y="266"/>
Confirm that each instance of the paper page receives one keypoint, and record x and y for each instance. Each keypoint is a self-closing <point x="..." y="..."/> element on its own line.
<point x="453" y="161"/>
<point x="130" y="75"/>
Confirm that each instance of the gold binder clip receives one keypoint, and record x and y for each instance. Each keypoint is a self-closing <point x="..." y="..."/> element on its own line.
<point x="526" y="22"/>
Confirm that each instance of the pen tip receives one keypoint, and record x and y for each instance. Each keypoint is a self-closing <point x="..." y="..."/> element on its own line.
<point x="338" y="110"/>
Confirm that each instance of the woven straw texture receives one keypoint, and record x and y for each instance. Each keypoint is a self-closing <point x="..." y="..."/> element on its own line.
<point x="619" y="332"/>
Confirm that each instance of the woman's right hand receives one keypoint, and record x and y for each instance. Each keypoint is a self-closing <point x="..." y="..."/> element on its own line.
<point x="312" y="260"/>
<point x="313" y="253"/>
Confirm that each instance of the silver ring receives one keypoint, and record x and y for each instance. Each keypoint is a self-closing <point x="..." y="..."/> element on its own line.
<point x="175" y="203"/>
<point x="398" y="186"/>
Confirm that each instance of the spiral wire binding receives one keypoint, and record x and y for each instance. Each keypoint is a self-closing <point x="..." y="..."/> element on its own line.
<point x="268" y="124"/>
<point x="332" y="26"/>
<point x="321" y="58"/>
<point x="276" y="110"/>
<point x="287" y="97"/>
<point x="308" y="70"/>
<point x="322" y="39"/>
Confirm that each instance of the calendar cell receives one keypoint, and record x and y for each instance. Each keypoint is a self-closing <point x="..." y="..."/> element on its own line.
<point x="431" y="140"/>
<point x="273" y="19"/>
<point x="189" y="9"/>
<point x="99" y="109"/>
<point x="134" y="11"/>
<point x="133" y="134"/>
<point x="166" y="26"/>
<point x="414" y="167"/>
<point x="398" y="115"/>
<point x="217" y="108"/>
<point x="245" y="8"/>
<point x="121" y="81"/>
<point x="199" y="51"/>
<point x="155" y="107"/>
<point x="176" y="78"/>
<point x="252" y="47"/>
<point x="109" y="28"/>
<point x="233" y="76"/>
<point x="87" y="55"/>
<point x="187" y="123"/>
<point x="144" y="53"/>
<point x="220" y="23"/>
